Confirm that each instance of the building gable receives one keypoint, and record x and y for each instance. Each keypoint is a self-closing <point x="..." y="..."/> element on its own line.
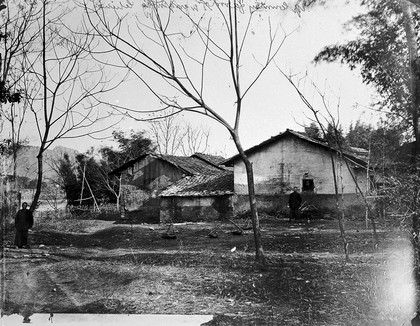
<point x="350" y="155"/>
<point x="294" y="160"/>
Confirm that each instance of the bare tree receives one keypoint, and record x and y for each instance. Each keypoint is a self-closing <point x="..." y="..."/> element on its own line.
<point x="173" y="136"/>
<point x="16" y="22"/>
<point x="157" y="50"/>
<point x="168" y="135"/>
<point x="112" y="184"/>
<point x="65" y="84"/>
<point x="196" y="140"/>
<point x="336" y="174"/>
<point x="330" y="127"/>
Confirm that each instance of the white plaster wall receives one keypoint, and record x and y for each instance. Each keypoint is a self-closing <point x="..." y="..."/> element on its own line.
<point x="282" y="165"/>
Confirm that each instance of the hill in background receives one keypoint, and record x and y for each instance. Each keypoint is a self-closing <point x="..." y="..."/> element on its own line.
<point x="27" y="162"/>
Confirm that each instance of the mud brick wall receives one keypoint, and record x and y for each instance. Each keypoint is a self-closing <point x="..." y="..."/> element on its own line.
<point x="195" y="209"/>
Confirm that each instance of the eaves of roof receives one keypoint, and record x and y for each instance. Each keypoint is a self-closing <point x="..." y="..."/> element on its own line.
<point x="188" y="165"/>
<point x="191" y="165"/>
<point x="288" y="132"/>
<point x="127" y="165"/>
<point x="211" y="159"/>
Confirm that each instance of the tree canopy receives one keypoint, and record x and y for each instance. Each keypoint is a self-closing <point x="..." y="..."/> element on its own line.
<point x="380" y="52"/>
<point x="382" y="141"/>
<point x="132" y="145"/>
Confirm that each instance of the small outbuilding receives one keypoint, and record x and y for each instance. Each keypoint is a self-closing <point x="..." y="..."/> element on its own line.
<point x="198" y="198"/>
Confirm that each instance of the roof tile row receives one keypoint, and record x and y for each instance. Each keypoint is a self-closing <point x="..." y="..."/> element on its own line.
<point x="217" y="184"/>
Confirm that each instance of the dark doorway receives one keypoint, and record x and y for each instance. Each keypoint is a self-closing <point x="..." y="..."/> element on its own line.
<point x="308" y="185"/>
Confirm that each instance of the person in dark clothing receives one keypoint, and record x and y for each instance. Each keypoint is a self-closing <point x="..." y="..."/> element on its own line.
<point x="295" y="200"/>
<point x="24" y="220"/>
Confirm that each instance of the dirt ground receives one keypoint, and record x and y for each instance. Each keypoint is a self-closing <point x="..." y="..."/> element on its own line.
<point x="96" y="266"/>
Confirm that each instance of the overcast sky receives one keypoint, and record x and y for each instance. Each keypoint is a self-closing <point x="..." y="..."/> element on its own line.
<point x="272" y="106"/>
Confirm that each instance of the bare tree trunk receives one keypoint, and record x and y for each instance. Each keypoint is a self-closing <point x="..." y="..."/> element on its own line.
<point x="368" y="209"/>
<point x="42" y="147"/>
<point x="61" y="77"/>
<point x="339" y="207"/>
<point x="15" y="189"/>
<point x="83" y="185"/>
<point x="118" y="194"/>
<point x="339" y="204"/>
<point x="39" y="180"/>
<point x="260" y="261"/>
<point x="95" y="203"/>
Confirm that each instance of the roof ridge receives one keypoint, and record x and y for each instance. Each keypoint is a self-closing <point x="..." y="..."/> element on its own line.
<point x="295" y="133"/>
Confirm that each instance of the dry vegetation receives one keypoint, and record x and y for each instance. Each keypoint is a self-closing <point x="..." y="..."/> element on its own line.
<point x="100" y="267"/>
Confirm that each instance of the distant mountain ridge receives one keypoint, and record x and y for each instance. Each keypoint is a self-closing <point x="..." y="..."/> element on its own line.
<point x="27" y="164"/>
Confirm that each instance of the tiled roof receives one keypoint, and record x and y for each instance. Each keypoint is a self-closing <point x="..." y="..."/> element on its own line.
<point x="288" y="132"/>
<point x="202" y="185"/>
<point x="213" y="159"/>
<point x="191" y="165"/>
<point x="188" y="164"/>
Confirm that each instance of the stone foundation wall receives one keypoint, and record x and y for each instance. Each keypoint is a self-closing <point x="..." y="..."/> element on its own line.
<point x="278" y="204"/>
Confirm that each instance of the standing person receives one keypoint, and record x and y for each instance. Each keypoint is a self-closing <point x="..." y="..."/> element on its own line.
<point x="24" y="220"/>
<point x="295" y="200"/>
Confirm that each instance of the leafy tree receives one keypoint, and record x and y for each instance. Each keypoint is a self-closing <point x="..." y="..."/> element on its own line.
<point x="130" y="146"/>
<point x="313" y="131"/>
<point x="383" y="53"/>
<point x="90" y="178"/>
<point x="386" y="52"/>
<point x="383" y="142"/>
<point x="15" y="24"/>
<point x="334" y="135"/>
<point x="111" y="158"/>
<point x="359" y="135"/>
<point x="68" y="179"/>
